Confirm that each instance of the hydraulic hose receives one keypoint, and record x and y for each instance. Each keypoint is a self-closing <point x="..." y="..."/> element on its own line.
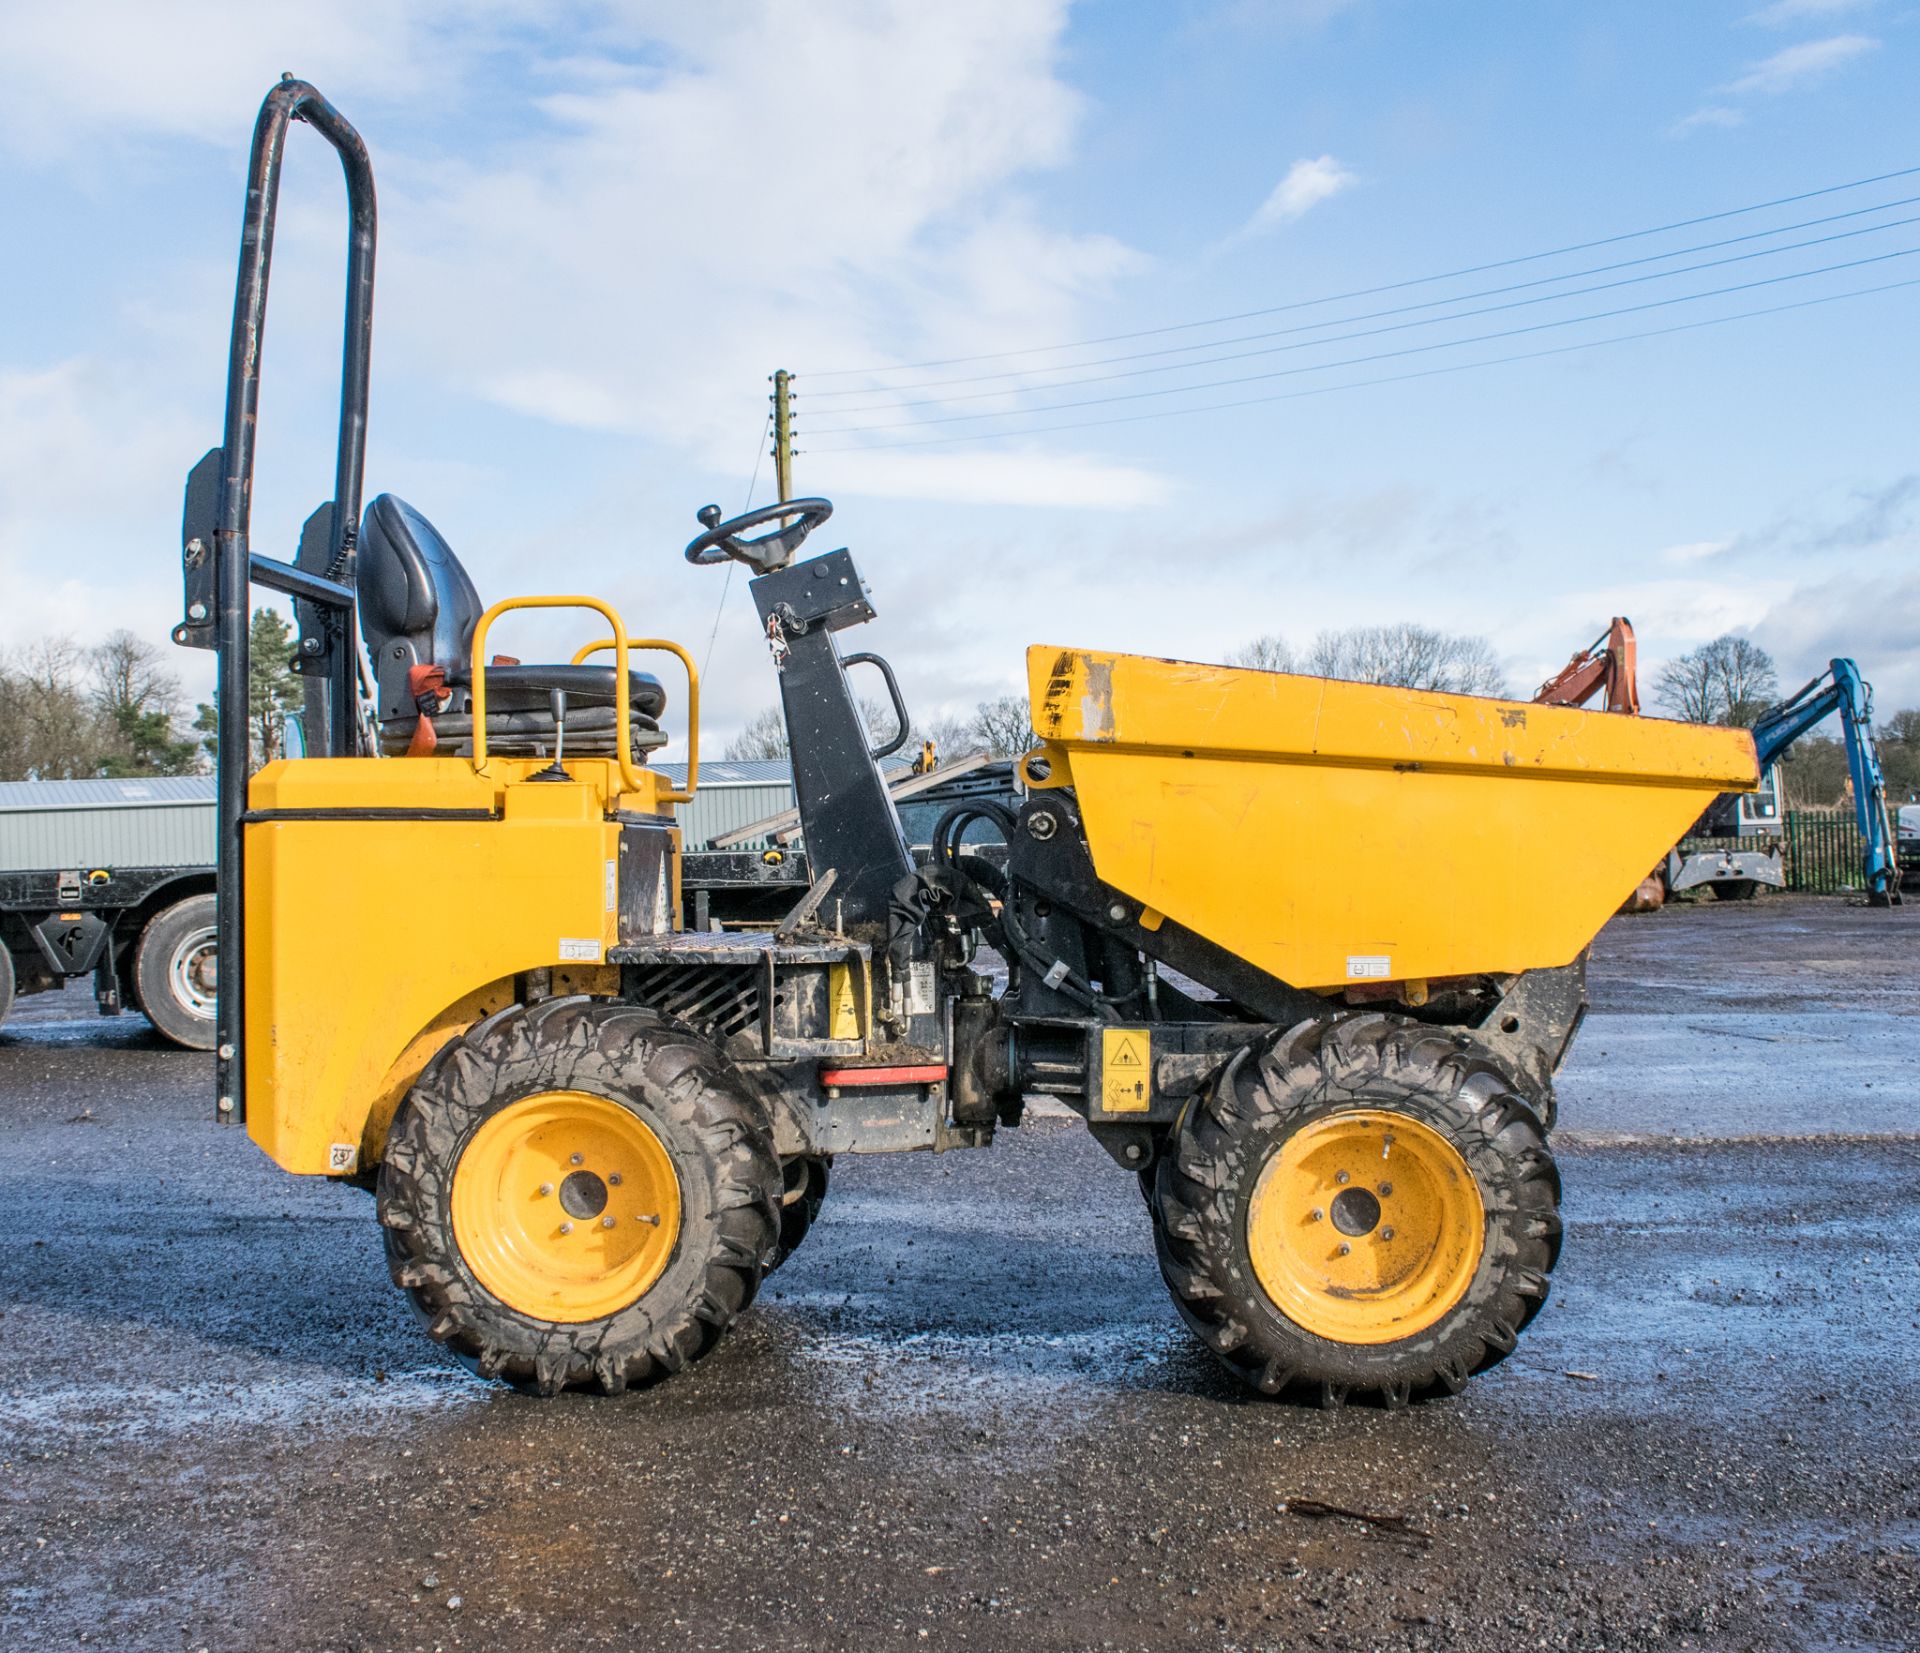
<point x="946" y="848"/>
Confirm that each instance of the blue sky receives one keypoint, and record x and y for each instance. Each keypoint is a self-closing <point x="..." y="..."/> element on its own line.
<point x="604" y="224"/>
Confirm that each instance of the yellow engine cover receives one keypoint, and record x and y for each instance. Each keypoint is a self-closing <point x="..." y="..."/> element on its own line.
<point x="1335" y="832"/>
<point x="389" y="902"/>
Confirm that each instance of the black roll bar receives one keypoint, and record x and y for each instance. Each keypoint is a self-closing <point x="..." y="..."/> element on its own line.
<point x="222" y="490"/>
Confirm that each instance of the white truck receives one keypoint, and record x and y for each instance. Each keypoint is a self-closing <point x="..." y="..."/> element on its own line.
<point x="112" y="879"/>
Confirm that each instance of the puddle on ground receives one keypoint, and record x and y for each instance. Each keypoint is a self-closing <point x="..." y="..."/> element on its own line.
<point x="109" y="1033"/>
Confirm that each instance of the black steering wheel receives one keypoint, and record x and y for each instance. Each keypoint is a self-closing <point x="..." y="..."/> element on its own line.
<point x="770" y="551"/>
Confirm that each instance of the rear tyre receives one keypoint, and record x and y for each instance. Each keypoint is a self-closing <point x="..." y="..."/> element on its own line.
<point x="579" y="1194"/>
<point x="1359" y="1206"/>
<point x="806" y="1178"/>
<point x="176" y="972"/>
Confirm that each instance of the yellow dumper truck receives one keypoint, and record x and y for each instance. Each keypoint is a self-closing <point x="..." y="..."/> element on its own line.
<point x="1283" y="943"/>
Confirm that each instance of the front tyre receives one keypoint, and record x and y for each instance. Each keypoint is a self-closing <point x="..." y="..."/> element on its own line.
<point x="1360" y="1205"/>
<point x="577" y="1194"/>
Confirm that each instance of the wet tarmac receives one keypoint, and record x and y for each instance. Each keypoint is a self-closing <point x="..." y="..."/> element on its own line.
<point x="965" y="1413"/>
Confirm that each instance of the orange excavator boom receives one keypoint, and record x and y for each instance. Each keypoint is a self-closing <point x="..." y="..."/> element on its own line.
<point x="1608" y="663"/>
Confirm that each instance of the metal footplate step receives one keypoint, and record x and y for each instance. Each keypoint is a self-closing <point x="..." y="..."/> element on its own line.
<point x="807" y="996"/>
<point x="741" y="947"/>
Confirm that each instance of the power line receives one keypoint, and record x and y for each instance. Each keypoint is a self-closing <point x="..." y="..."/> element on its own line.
<point x="726" y="589"/>
<point x="1385" y="379"/>
<point x="1383" y="355"/>
<point x="1369" y="315"/>
<point x="1369" y="292"/>
<point x="1371" y="332"/>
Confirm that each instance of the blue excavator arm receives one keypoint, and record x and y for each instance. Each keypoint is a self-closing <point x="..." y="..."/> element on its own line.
<point x="1841" y="688"/>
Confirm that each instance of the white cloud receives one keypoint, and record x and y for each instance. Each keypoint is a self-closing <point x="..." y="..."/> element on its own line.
<point x="1305" y="186"/>
<point x="635" y="246"/>
<point x="72" y="88"/>
<point x="86" y="456"/>
<point x="1712" y="115"/>
<point x="1785" y="71"/>
<point x="1697" y="551"/>
<point x="1868" y="620"/>
<point x="1784" y="14"/>
<point x="1797" y="65"/>
<point x="635" y="264"/>
<point x="1670" y="615"/>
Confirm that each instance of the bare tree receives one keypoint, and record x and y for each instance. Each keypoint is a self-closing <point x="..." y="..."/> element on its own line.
<point x="1899" y="738"/>
<point x="1903" y="727"/>
<point x="764" y="735"/>
<point x="1272" y="653"/>
<point x="1814" y="772"/>
<point x="1730" y="681"/>
<point x="48" y="727"/>
<point x="1685" y="687"/>
<point x="1003" y="728"/>
<point x="952" y="737"/>
<point x="135" y="700"/>
<point x="1409" y="656"/>
<point x="1750" y="683"/>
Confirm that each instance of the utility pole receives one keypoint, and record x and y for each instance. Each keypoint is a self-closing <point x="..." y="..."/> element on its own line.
<point x="783" y="434"/>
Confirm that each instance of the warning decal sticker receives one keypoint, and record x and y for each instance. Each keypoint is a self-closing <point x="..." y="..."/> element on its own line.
<point x="1125" y="1084"/>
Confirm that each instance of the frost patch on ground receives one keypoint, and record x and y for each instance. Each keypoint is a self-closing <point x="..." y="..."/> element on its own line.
<point x="987" y="1375"/>
<point x="284" y="1399"/>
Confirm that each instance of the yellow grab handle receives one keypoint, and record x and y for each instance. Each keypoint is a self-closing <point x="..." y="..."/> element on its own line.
<point x="623" y="750"/>
<point x="667" y="646"/>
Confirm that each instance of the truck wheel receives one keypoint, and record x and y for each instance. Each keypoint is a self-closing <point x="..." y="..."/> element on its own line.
<point x="579" y="1193"/>
<point x="1359" y="1205"/>
<point x="806" y="1179"/>
<point x="176" y="971"/>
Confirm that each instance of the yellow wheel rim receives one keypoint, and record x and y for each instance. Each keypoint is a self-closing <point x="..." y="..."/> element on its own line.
<point x="1365" y="1227"/>
<point x="566" y="1206"/>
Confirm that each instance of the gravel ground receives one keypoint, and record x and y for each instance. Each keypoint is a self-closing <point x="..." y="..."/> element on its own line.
<point x="966" y="1414"/>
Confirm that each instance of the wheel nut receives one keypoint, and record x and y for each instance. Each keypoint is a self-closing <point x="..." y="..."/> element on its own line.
<point x="606" y="1222"/>
<point x="566" y="1228"/>
<point x="574" y="1160"/>
<point x="1341" y="1176"/>
<point x="1386" y="1188"/>
<point x="613" y="1179"/>
<point x="1345" y="1249"/>
<point x="1315" y="1215"/>
<point x="1386" y="1234"/>
<point x="546" y="1188"/>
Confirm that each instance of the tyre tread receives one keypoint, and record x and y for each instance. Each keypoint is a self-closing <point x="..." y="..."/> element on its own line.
<point x="525" y="1049"/>
<point x="1321" y="1066"/>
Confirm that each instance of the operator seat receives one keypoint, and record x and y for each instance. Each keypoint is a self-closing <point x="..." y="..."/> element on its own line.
<point x="418" y="608"/>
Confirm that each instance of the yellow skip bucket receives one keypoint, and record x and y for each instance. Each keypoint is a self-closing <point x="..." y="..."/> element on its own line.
<point x="1337" y="832"/>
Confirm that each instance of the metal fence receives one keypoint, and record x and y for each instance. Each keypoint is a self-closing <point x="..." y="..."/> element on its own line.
<point x="1825" y="853"/>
